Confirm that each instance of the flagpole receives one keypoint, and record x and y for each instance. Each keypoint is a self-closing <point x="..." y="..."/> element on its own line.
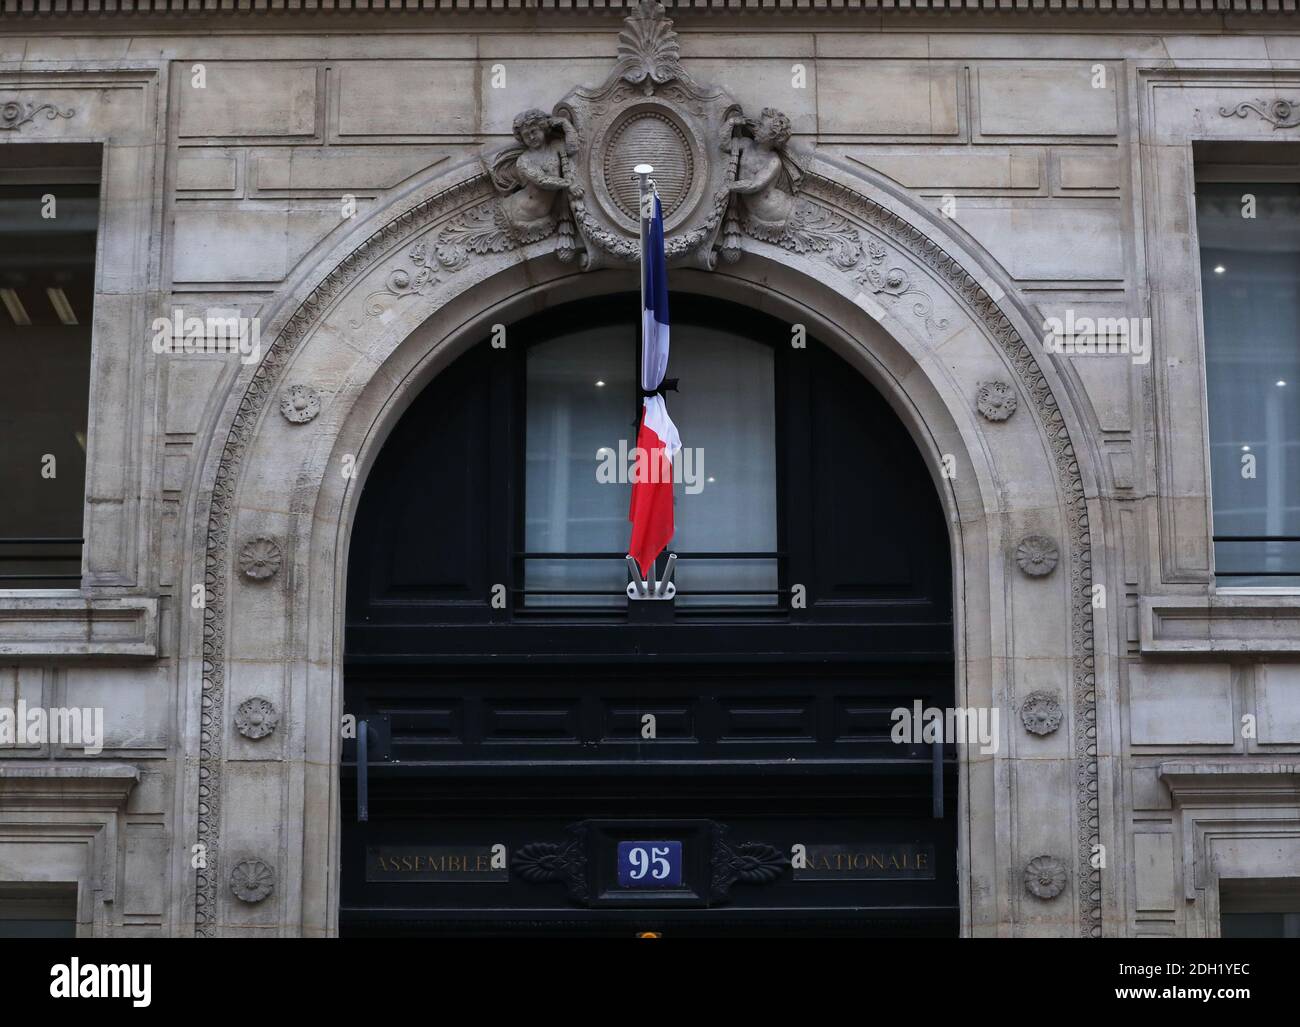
<point x="643" y="172"/>
<point x="648" y="588"/>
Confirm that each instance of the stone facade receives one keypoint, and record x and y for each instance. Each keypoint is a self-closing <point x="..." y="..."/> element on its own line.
<point x="947" y="190"/>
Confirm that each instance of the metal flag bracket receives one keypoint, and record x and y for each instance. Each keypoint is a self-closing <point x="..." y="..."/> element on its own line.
<point x="649" y="588"/>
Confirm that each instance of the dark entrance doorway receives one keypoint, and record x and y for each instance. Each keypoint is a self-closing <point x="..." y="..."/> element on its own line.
<point x="542" y="755"/>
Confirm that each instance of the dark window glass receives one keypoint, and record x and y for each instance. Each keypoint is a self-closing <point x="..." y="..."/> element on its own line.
<point x="580" y="435"/>
<point x="30" y="910"/>
<point x="1250" y="282"/>
<point x="1259" y="907"/>
<point x="47" y="275"/>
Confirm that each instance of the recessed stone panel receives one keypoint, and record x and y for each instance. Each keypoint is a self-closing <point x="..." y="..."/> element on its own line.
<point x="1046" y="98"/>
<point x="409" y="98"/>
<point x="1053" y="242"/>
<point x="1277" y="702"/>
<point x="205" y="173"/>
<point x="953" y="168"/>
<point x="1181" y="705"/>
<point x="248" y="98"/>
<point x="887" y="98"/>
<point x="1153" y="871"/>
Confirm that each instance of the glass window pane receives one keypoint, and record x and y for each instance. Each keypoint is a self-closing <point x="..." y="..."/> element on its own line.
<point x="582" y="404"/>
<point x="1250" y="282"/>
<point x="727" y="500"/>
<point x="47" y="273"/>
<point x="582" y="401"/>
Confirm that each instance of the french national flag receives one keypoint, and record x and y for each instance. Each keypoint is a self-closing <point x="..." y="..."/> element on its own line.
<point x="657" y="440"/>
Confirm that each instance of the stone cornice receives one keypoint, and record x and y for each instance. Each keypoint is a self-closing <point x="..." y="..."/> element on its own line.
<point x="51" y="624"/>
<point x="81" y="786"/>
<point x="13" y="9"/>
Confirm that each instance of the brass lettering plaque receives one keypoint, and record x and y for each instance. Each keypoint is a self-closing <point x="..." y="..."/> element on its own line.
<point x="868" y="862"/>
<point x="463" y="864"/>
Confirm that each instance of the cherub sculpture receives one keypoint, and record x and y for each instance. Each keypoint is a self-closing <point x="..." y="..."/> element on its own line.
<point x="532" y="174"/>
<point x="765" y="178"/>
<point x="767" y="175"/>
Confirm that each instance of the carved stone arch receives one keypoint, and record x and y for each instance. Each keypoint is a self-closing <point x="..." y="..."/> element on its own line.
<point x="921" y="312"/>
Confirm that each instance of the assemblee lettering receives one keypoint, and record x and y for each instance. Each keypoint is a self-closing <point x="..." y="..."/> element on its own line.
<point x="446" y="863"/>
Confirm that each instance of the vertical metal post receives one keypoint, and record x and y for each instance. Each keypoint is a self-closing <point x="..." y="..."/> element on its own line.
<point x="363" y="772"/>
<point x="936" y="781"/>
<point x="643" y="173"/>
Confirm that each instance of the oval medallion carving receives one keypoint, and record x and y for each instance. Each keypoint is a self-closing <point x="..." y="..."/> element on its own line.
<point x="648" y="137"/>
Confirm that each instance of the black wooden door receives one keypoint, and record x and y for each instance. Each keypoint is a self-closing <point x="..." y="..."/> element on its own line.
<point x="528" y="756"/>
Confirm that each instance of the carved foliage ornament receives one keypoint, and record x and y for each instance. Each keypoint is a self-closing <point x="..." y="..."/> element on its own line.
<point x="252" y="880"/>
<point x="895" y="281"/>
<point x="996" y="401"/>
<point x="1045" y="877"/>
<point x="539" y="862"/>
<point x="14" y="114"/>
<point x="746" y="863"/>
<point x="256" y="717"/>
<point x="1278" y="112"/>
<point x="720" y="175"/>
<point x="1040" y="713"/>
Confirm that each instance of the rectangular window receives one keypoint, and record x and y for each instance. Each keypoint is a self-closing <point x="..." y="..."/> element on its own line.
<point x="582" y="410"/>
<point x="38" y="910"/>
<point x="49" y="214"/>
<point x="1259" y="908"/>
<point x="1250" y="285"/>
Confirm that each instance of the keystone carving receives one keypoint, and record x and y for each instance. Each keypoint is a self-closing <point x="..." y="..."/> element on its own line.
<point x="720" y="175"/>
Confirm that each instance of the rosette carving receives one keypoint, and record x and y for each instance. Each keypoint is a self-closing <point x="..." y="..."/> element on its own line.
<point x="260" y="558"/>
<point x="256" y="717"/>
<point x="299" y="403"/>
<point x="1045" y="877"/>
<point x="1040" y="713"/>
<point x="252" y="880"/>
<point x="996" y="401"/>
<point x="1037" y="555"/>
